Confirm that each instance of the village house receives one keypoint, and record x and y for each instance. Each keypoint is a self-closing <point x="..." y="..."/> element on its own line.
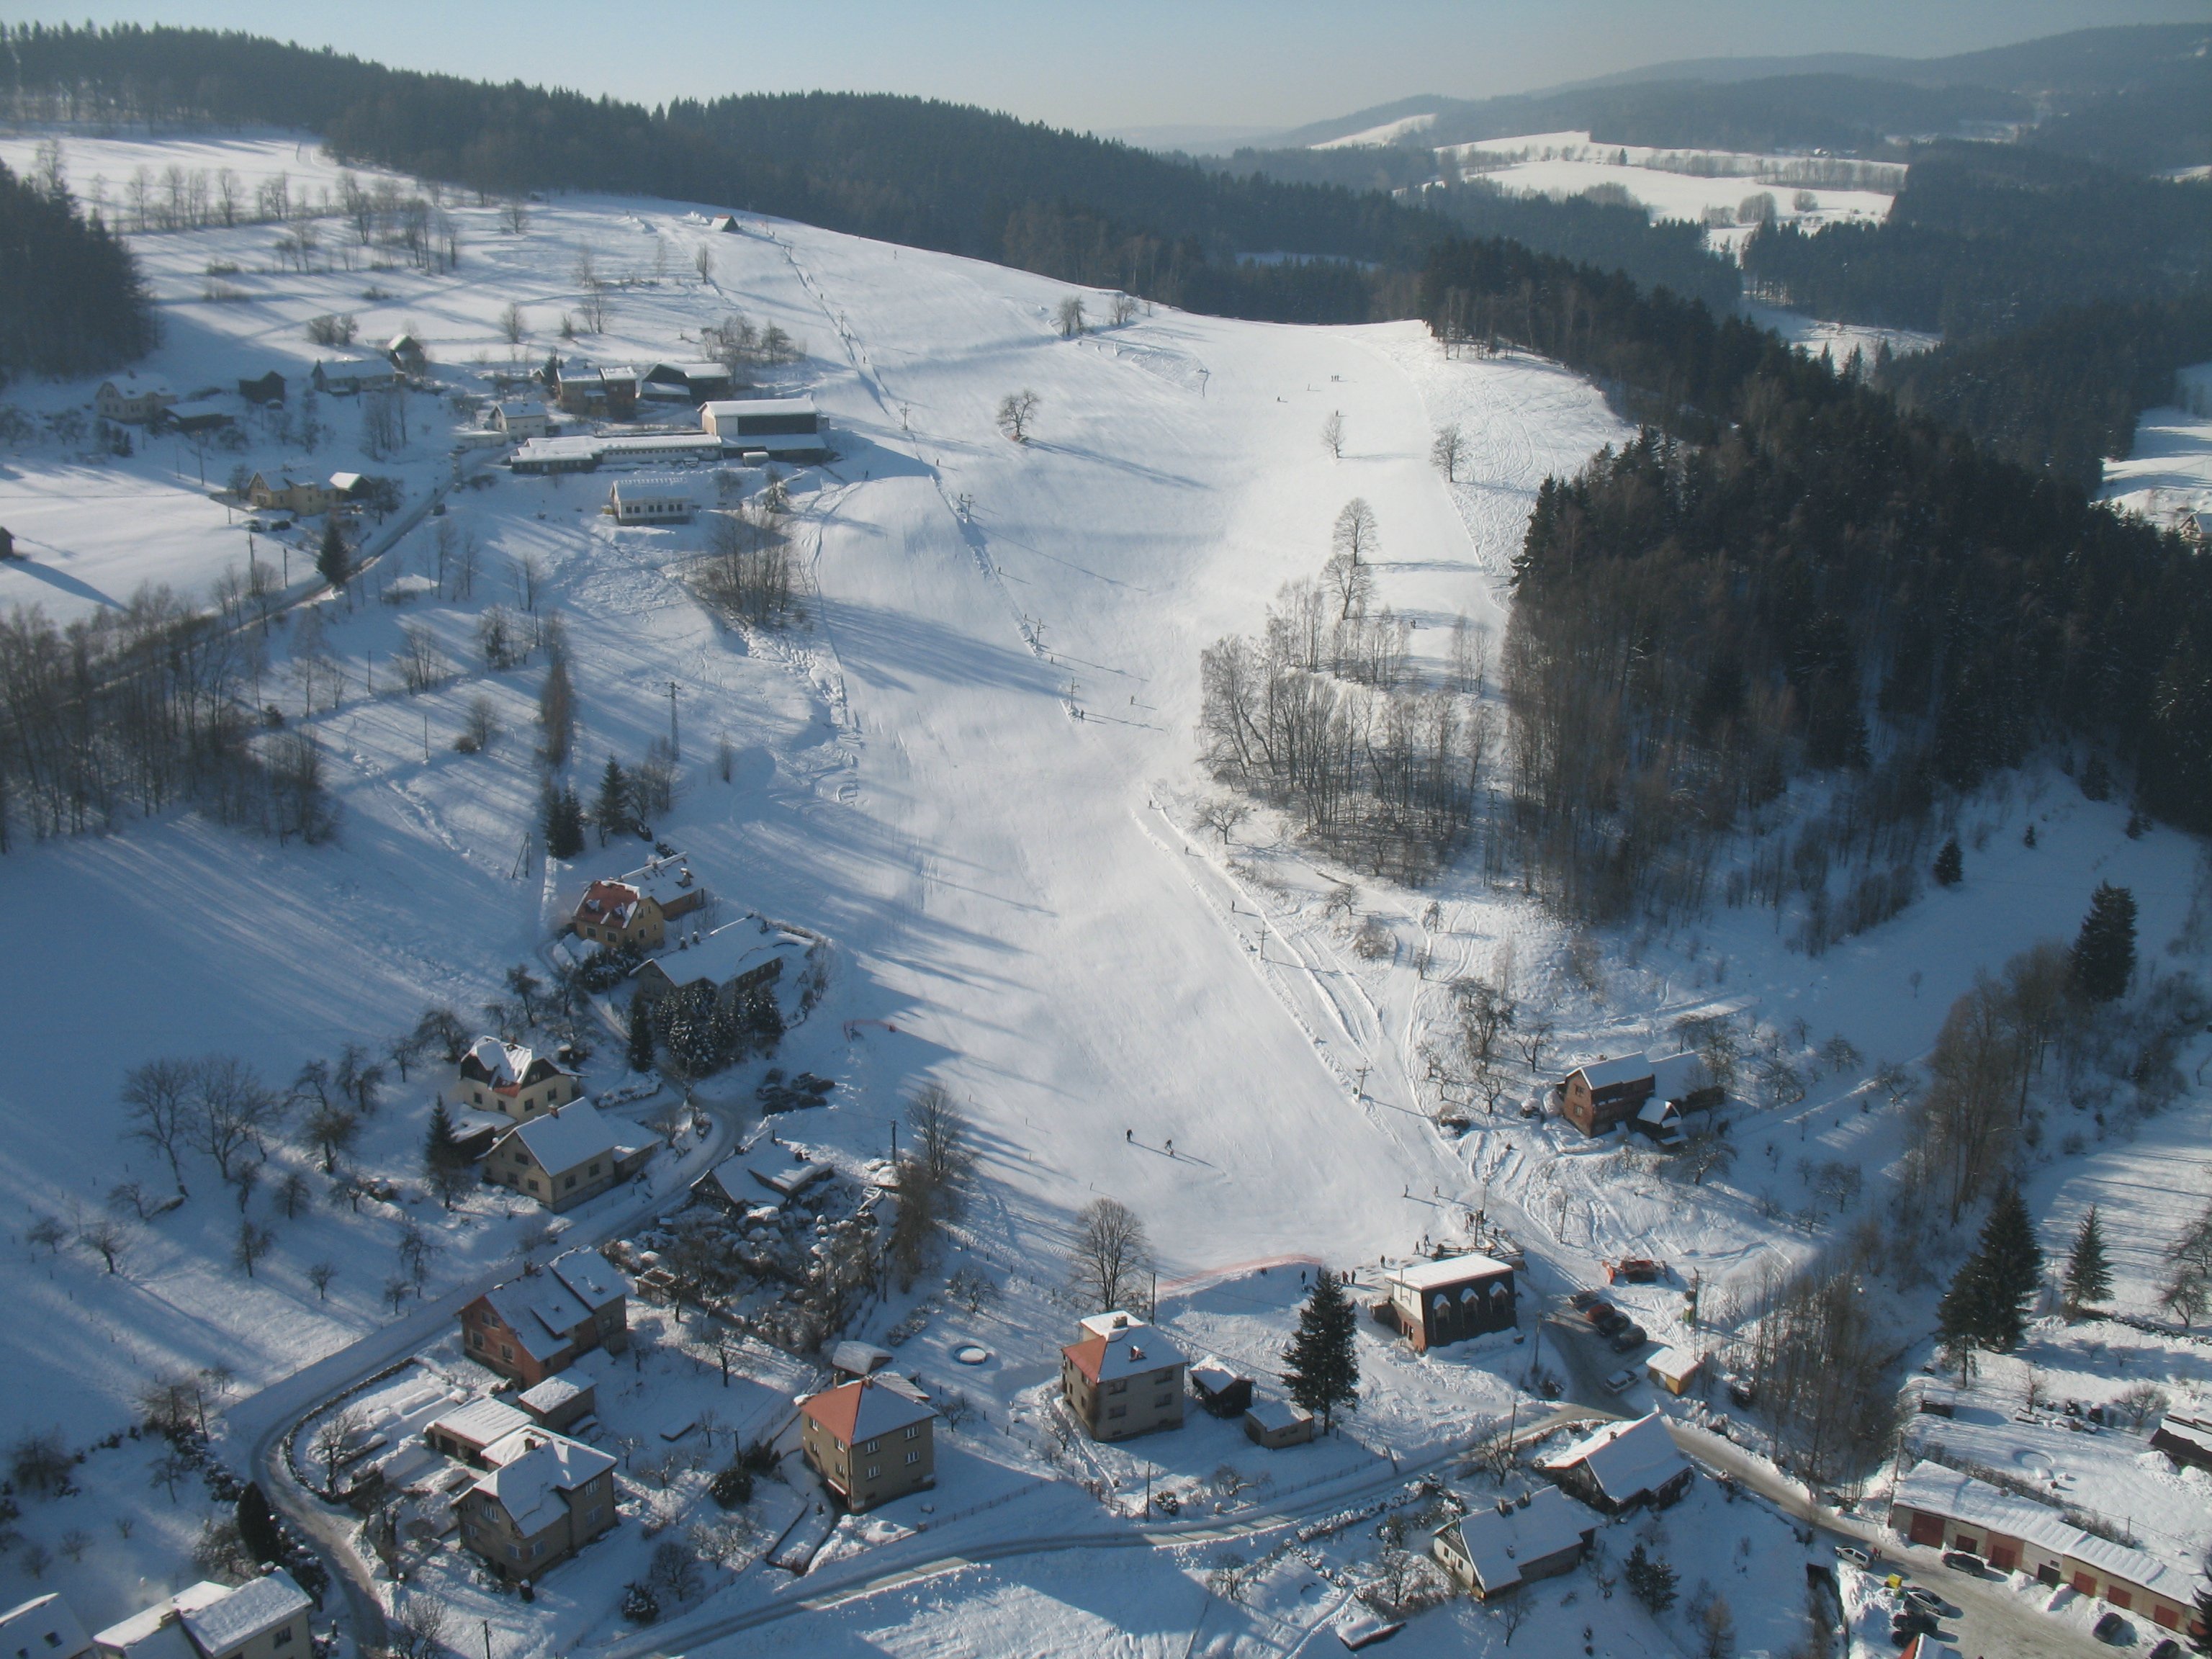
<point x="44" y="1627"/>
<point x="1123" y="1378"/>
<point x="583" y="389"/>
<point x="519" y="418"/>
<point x="133" y="404"/>
<point x="1539" y="1534"/>
<point x="644" y="498"/>
<point x="464" y="1432"/>
<point x="1622" y="1466"/>
<point x="267" y="389"/>
<point x="2186" y="1437"/>
<point x="561" y="1400"/>
<point x="1650" y="1095"/>
<point x="782" y="428"/>
<point x="546" y="1498"/>
<point x="566" y="1157"/>
<point x="281" y="492"/>
<point x="346" y="377"/>
<point x="684" y="383"/>
<point x="634" y="910"/>
<point x="1942" y="1508"/>
<point x="536" y="1327"/>
<point x="869" y="1440"/>
<point x="736" y="960"/>
<point x="1450" y="1300"/>
<point x="517" y="1082"/>
<point x="406" y="355"/>
<point x="748" y="1180"/>
<point x="201" y="415"/>
<point x="265" y="1618"/>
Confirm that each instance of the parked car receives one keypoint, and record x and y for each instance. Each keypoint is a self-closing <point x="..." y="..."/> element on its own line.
<point x="1620" y="1382"/>
<point x="2169" y="1649"/>
<point x="1963" y="1561"/>
<point x="1930" y="1603"/>
<point x="1856" y="1556"/>
<point x="1581" y="1301"/>
<point x="2112" y="1630"/>
<point x="1599" y="1310"/>
<point x="1627" y="1337"/>
<point x="1636" y="1270"/>
<point x="1904" y="1626"/>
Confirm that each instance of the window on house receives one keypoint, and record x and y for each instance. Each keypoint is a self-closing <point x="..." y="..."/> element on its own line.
<point x="873" y="1445"/>
<point x="476" y="1338"/>
<point x="514" y="1552"/>
<point x="537" y="1550"/>
<point x="283" y="1638"/>
<point x="913" y="1457"/>
<point x="533" y="1183"/>
<point x="505" y="1351"/>
<point x="569" y="1183"/>
<point x="874" y="1470"/>
<point x="913" y="1431"/>
<point x="1117" y="1411"/>
<point x="595" y="1169"/>
<point x="591" y="1519"/>
<point x="1164" y="1400"/>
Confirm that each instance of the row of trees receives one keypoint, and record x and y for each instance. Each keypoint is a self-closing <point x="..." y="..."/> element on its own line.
<point x="71" y="299"/>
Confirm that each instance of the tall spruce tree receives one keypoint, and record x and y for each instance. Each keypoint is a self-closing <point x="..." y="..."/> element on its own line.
<point x="334" y="559"/>
<point x="564" y="823"/>
<point x="611" y="812"/>
<point x="1950" y="864"/>
<point x="2088" y="1273"/>
<point x="641" y="1036"/>
<point x="444" y="1166"/>
<point x="2103" y="959"/>
<point x="257" y="1525"/>
<point x="1322" y="1370"/>
<point x="1986" y="1306"/>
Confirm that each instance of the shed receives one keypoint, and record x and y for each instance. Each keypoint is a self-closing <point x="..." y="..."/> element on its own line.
<point x="465" y="1432"/>
<point x="1674" y="1370"/>
<point x="567" y="1397"/>
<point x="1221" y="1392"/>
<point x="859" y="1358"/>
<point x="1276" y="1424"/>
<point x="268" y="389"/>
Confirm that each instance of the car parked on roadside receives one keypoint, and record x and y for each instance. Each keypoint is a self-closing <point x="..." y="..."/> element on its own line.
<point x="1963" y="1561"/>
<point x="1581" y="1301"/>
<point x="1627" y="1337"/>
<point x="1856" y="1556"/>
<point x="1930" y="1603"/>
<point x="1600" y="1313"/>
<point x="2169" y="1649"/>
<point x="2114" y="1631"/>
<point x="1620" y="1382"/>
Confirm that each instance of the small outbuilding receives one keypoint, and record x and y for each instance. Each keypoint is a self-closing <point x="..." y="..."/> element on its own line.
<point x="1276" y="1424"/>
<point x="1220" y="1392"/>
<point x="465" y="1430"/>
<point x="268" y="389"/>
<point x="1675" y="1370"/>
<point x="564" y="1398"/>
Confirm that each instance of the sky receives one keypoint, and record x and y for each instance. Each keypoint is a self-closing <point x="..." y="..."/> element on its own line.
<point x="1114" y="67"/>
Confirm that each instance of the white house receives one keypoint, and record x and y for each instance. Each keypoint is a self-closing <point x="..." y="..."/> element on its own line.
<point x="44" y="1627"/>
<point x="519" y="418"/>
<point x="783" y="428"/>
<point x="648" y="498"/>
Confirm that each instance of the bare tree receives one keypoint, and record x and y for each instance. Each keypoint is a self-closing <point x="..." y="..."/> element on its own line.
<point x="1016" y="412"/>
<point x="419" y="1632"/>
<point x="158" y="1103"/>
<point x="1332" y="435"/>
<point x="515" y="215"/>
<point x="703" y="261"/>
<point x="1070" y="317"/>
<point x="232" y="1110"/>
<point x="1110" y="1253"/>
<point x="333" y="1440"/>
<point x="1355" y="535"/>
<point x="107" y="1237"/>
<point x="253" y="1244"/>
<point x="1122" y="310"/>
<point x="319" y="1274"/>
<point x="1449" y="451"/>
<point x="1222" y="814"/>
<point x="512" y="325"/>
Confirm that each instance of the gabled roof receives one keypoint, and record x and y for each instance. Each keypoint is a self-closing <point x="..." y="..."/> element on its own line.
<point x="1677" y="1077"/>
<point x="728" y="408"/>
<point x="864" y="1409"/>
<point x="1674" y="1364"/>
<point x="1274" y="1416"/>
<point x="731" y="952"/>
<point x="1130" y="1351"/>
<point x="596" y="1282"/>
<point x="655" y="486"/>
<point x="566" y="1137"/>
<point x="1627" y="1459"/>
<point x="254" y="1608"/>
<point x="1497" y="1544"/>
<point x="155" y="1632"/>
<point x="1449" y="1273"/>
<point x="507" y="1065"/>
<point x="540" y="1311"/>
<point x="532" y="1469"/>
<point x="1606" y="1073"/>
<point x="480" y="1422"/>
<point x="663" y="880"/>
<point x="609" y="904"/>
<point x="1945" y="1491"/>
<point x="554" y="1392"/>
<point x="44" y="1627"/>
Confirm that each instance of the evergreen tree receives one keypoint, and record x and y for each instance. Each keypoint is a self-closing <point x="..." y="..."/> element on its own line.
<point x="2088" y="1274"/>
<point x="1950" y="865"/>
<point x="444" y="1166"/>
<point x="334" y="559"/>
<point x="1322" y="1365"/>
<point x="641" y="1036"/>
<point x="611" y="813"/>
<point x="2103" y="959"/>
<point x="1651" y="1580"/>
<point x="1960" y="1316"/>
<point x="1986" y="1306"/>
<point x="564" y="823"/>
<point x="257" y="1527"/>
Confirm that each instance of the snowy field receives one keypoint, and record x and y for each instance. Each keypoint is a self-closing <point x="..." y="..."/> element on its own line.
<point x="2169" y="476"/>
<point x="970" y="768"/>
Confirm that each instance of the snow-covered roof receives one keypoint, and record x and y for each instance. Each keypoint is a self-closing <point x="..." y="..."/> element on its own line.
<point x="566" y="1136"/>
<point x="570" y="448"/>
<point x="479" y="1422"/>
<point x="1274" y="1416"/>
<point x="859" y="1358"/>
<point x="1211" y="1374"/>
<point x="730" y="408"/>
<point x="346" y="482"/>
<point x="742" y="1178"/>
<point x="1131" y="1351"/>
<point x="532" y="1469"/>
<point x="2187" y="1428"/>
<point x="1452" y="1270"/>
<point x="731" y="952"/>
<point x="507" y="1065"/>
<point x="44" y="1627"/>
<point x="254" y="1608"/>
<point x="554" y="1392"/>
<point x="608" y="904"/>
<point x="597" y="1282"/>
<point x="155" y="1632"/>
<point x="1936" y="1490"/>
<point x="662" y="880"/>
<point x="1627" y="1459"/>
<point x="519" y="409"/>
<point x="654" y="486"/>
<point x="1496" y="1544"/>
<point x="1673" y="1364"/>
<point x="1657" y="1110"/>
<point x="1606" y="1073"/>
<point x="1677" y="1077"/>
<point x="864" y="1409"/>
<point x="701" y="370"/>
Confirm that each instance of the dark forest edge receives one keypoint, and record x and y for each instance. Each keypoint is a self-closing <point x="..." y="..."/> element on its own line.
<point x="70" y="299"/>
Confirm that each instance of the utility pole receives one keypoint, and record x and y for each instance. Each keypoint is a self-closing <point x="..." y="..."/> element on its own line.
<point x="674" y="748"/>
<point x="487" y="1627"/>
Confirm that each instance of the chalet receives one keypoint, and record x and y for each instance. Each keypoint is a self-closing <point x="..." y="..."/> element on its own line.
<point x="406" y="355"/>
<point x="724" y="223"/>
<point x="346" y="377"/>
<point x="512" y="1080"/>
<point x="685" y="383"/>
<point x="1123" y="1378"/>
<point x="265" y="1618"/>
<point x="565" y="1158"/>
<point x="465" y="1430"/>
<point x="1942" y="1508"/>
<point x="269" y="389"/>
<point x="535" y="1326"/>
<point x="282" y="492"/>
<point x="736" y="960"/>
<point x="869" y="1442"/>
<point x="653" y="498"/>
<point x="1219" y="1391"/>
<point x="133" y="403"/>
<point x="201" y="415"/>
<point x="1622" y="1466"/>
<point x="1539" y="1534"/>
<point x="1449" y="1301"/>
<point x="1276" y="1424"/>
<point x="44" y="1627"/>
<point x="519" y="418"/>
<point x="1597" y="1096"/>
<point x="739" y="1183"/>
<point x="561" y="1400"/>
<point x="2186" y="1437"/>
<point x="783" y="428"/>
<point x="546" y="1498"/>
<point x="634" y="910"/>
<point x="1674" y="1370"/>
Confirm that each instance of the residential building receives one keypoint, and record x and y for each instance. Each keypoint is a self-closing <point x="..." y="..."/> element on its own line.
<point x="517" y="1082"/>
<point x="1674" y="1370"/>
<point x="568" y="1397"/>
<point x="635" y="909"/>
<point x="567" y="1157"/>
<point x="465" y="1430"/>
<point x="283" y="492"/>
<point x="344" y="377"/>
<point x="269" y="389"/>
<point x="1942" y="1508"/>
<point x="687" y="383"/>
<point x="2186" y="1437"/>
<point x="134" y="402"/>
<point x="869" y="1442"/>
<point x="202" y="415"/>
<point x="1276" y="1424"/>
<point x="1123" y="1378"/>
<point x="545" y="1499"/>
<point x="1651" y="1094"/>
<point x="735" y="960"/>
<point x="645" y="498"/>
<point x="782" y="428"/>
<point x="520" y="418"/>
<point x="1220" y="1391"/>
<point x="765" y="1176"/>
<point x="1539" y="1534"/>
<point x="44" y="1627"/>
<point x="1622" y="1466"/>
<point x="1452" y="1299"/>
<point x="583" y="389"/>
<point x="536" y="1327"/>
<point x="406" y="354"/>
<point x="265" y="1618"/>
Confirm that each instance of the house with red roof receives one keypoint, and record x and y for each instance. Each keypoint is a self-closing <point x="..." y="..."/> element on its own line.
<point x="870" y="1440"/>
<point x="633" y="910"/>
<point x="532" y="1328"/>
<point x="1123" y="1378"/>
